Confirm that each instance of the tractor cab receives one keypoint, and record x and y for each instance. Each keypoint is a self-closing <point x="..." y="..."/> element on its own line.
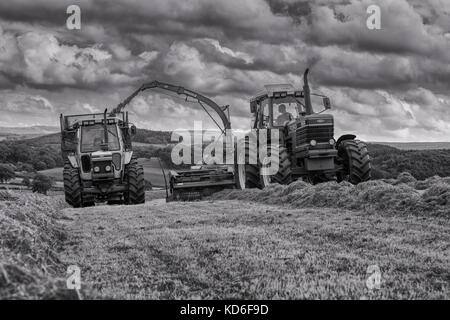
<point x="281" y="104"/>
<point x="93" y="137"/>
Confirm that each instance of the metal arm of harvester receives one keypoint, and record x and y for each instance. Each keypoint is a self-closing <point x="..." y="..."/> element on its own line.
<point x="181" y="91"/>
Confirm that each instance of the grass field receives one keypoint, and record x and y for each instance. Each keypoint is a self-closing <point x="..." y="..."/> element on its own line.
<point x="235" y="249"/>
<point x="31" y="237"/>
<point x="285" y="242"/>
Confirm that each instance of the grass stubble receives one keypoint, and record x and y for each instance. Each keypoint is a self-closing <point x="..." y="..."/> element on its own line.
<point x="284" y="242"/>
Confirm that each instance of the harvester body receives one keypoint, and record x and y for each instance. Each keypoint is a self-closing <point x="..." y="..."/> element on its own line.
<point x="200" y="181"/>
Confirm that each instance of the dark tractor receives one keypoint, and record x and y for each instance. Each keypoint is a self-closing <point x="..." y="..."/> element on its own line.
<point x="307" y="147"/>
<point x="98" y="160"/>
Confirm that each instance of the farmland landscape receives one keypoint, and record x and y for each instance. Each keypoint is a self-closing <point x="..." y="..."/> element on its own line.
<point x="112" y="182"/>
<point x="287" y="242"/>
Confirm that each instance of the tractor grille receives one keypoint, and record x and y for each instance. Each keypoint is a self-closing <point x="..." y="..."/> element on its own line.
<point x="320" y="133"/>
<point x="102" y="165"/>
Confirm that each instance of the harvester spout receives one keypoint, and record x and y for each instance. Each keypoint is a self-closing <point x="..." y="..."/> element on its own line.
<point x="306" y="93"/>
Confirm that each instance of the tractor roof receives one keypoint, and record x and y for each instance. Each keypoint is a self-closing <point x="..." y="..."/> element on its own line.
<point x="271" y="89"/>
<point x="89" y="119"/>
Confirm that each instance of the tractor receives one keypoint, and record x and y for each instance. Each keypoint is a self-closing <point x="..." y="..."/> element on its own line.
<point x="99" y="164"/>
<point x="306" y="149"/>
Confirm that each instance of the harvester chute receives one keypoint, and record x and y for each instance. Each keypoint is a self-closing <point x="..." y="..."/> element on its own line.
<point x="200" y="180"/>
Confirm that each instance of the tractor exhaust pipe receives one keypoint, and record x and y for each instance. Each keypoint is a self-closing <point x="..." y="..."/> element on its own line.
<point x="307" y="93"/>
<point x="105" y="144"/>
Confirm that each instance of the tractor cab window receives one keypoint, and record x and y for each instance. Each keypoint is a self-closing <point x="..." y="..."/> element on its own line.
<point x="92" y="138"/>
<point x="265" y="114"/>
<point x="285" y="110"/>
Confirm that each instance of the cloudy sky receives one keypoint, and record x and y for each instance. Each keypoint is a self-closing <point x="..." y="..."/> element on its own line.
<point x="385" y="85"/>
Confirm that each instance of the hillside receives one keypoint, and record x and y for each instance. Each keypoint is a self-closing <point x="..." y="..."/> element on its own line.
<point x="152" y="137"/>
<point x="31" y="130"/>
<point x="387" y="162"/>
<point x="417" y="145"/>
<point x="44" y="152"/>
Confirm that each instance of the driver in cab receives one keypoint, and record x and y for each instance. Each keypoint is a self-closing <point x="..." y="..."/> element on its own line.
<point x="284" y="116"/>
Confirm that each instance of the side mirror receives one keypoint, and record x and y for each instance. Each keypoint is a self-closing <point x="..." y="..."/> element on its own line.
<point x="252" y="107"/>
<point x="133" y="130"/>
<point x="326" y="103"/>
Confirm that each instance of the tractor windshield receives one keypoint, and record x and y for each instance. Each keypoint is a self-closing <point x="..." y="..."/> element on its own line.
<point x="92" y="137"/>
<point x="286" y="109"/>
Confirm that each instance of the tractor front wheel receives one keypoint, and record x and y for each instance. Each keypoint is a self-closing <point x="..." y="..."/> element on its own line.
<point x="134" y="175"/>
<point x="356" y="162"/>
<point x="72" y="186"/>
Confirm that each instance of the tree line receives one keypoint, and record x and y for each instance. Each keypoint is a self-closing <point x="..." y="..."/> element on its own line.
<point x="28" y="157"/>
<point x="387" y="162"/>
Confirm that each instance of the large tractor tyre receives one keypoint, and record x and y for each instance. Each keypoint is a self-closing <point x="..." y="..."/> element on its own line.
<point x="72" y="186"/>
<point x="284" y="173"/>
<point x="134" y="173"/>
<point x="247" y="169"/>
<point x="356" y="161"/>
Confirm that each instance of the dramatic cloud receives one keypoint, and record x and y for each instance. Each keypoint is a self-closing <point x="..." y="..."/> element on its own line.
<point x="40" y="59"/>
<point x="388" y="84"/>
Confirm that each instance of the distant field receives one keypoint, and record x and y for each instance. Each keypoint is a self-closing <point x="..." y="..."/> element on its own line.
<point x="55" y="173"/>
<point x="16" y="137"/>
<point x="417" y="145"/>
<point x="152" y="172"/>
<point x="154" y="145"/>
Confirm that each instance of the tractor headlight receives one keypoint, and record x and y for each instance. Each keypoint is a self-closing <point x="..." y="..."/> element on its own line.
<point x="96" y="169"/>
<point x="116" y="160"/>
<point x="313" y="143"/>
<point x="332" y="142"/>
<point x="108" y="168"/>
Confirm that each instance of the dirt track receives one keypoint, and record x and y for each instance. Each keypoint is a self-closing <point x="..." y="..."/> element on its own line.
<point x="235" y="249"/>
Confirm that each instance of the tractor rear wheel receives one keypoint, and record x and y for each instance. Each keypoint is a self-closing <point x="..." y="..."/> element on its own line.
<point x="72" y="186"/>
<point x="134" y="175"/>
<point x="356" y="161"/>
